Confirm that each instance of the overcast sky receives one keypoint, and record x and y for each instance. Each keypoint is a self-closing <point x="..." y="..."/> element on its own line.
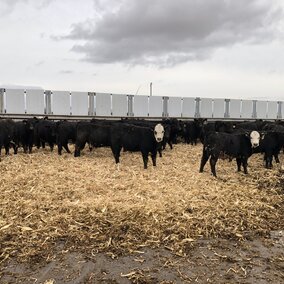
<point x="198" y="48"/>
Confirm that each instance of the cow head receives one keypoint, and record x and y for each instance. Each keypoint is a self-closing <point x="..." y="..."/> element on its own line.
<point x="159" y="132"/>
<point x="255" y="138"/>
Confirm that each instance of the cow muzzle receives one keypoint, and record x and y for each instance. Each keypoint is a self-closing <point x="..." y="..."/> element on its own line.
<point x="254" y="145"/>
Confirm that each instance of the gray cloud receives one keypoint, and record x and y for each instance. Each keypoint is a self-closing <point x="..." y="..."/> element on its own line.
<point x="7" y="6"/>
<point x="166" y="32"/>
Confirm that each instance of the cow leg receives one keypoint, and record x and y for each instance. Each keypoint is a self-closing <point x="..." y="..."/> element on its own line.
<point x="77" y="151"/>
<point x="6" y="149"/>
<point x="25" y="149"/>
<point x="276" y="158"/>
<point x="269" y="161"/>
<point x="145" y="159"/>
<point x="171" y="144"/>
<point x="51" y="145"/>
<point x="213" y="161"/>
<point x="30" y="149"/>
<point x="154" y="158"/>
<point x="204" y="159"/>
<point x="245" y="165"/>
<point x="239" y="163"/>
<point x="116" y="152"/>
<point x="59" y="146"/>
<point x="15" y="148"/>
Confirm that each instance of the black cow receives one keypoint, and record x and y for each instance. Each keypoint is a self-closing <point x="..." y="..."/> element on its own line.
<point x="96" y="134"/>
<point x="7" y="131"/>
<point x="45" y="132"/>
<point x="24" y="134"/>
<point x="151" y="123"/>
<point x="65" y="131"/>
<point x="175" y="130"/>
<point x="271" y="145"/>
<point x="192" y="130"/>
<point x="136" y="138"/>
<point x="239" y="146"/>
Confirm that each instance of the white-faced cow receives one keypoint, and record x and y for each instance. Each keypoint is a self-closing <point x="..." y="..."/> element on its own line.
<point x="136" y="138"/>
<point x="237" y="145"/>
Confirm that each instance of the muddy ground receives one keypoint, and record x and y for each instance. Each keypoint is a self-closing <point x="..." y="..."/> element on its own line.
<point x="209" y="261"/>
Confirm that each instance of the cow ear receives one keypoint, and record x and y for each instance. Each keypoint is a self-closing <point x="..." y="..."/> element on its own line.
<point x="247" y="134"/>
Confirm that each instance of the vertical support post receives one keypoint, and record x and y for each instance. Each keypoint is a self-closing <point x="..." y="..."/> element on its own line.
<point x="279" y="110"/>
<point x="2" y="100"/>
<point x="151" y="89"/>
<point x="91" y="110"/>
<point x="48" y="109"/>
<point x="254" y="113"/>
<point x="165" y="107"/>
<point x="197" y="107"/>
<point x="130" y="105"/>
<point x="227" y="108"/>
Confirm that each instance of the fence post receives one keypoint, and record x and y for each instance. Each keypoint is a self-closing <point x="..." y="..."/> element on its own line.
<point x="91" y="110"/>
<point x="197" y="108"/>
<point x="130" y="105"/>
<point x="2" y="100"/>
<point x="254" y="113"/>
<point x="279" y="110"/>
<point x="165" y="112"/>
<point x="47" y="102"/>
<point x="227" y="108"/>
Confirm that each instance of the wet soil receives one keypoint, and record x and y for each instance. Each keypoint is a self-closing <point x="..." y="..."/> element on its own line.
<point x="260" y="260"/>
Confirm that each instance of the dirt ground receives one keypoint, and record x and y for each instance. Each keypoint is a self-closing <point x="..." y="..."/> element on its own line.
<point x="209" y="261"/>
<point x="80" y="220"/>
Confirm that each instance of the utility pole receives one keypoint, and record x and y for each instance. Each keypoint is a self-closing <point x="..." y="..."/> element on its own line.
<point x="151" y="88"/>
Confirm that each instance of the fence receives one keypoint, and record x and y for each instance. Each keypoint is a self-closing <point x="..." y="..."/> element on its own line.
<point x="65" y="103"/>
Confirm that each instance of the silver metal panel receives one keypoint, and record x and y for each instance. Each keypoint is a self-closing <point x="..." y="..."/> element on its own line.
<point x="35" y="102"/>
<point x="2" y="100"/>
<point x="155" y="106"/>
<point x="188" y="107"/>
<point x="272" y="108"/>
<point x="282" y="110"/>
<point x="119" y="105"/>
<point x="103" y="104"/>
<point x="79" y="103"/>
<point x="140" y="106"/>
<point x="206" y="109"/>
<point x="60" y="102"/>
<point x="261" y="109"/>
<point x="247" y="109"/>
<point x="15" y="101"/>
<point x="235" y="109"/>
<point x="174" y="107"/>
<point x="219" y="108"/>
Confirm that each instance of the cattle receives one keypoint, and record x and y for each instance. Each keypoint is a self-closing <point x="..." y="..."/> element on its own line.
<point x="7" y="130"/>
<point x="239" y="146"/>
<point x="136" y="138"/>
<point x="216" y="126"/>
<point x="251" y="125"/>
<point x="96" y="134"/>
<point x="45" y="133"/>
<point x="175" y="130"/>
<point x="150" y="123"/>
<point x="270" y="145"/>
<point x="192" y="130"/>
<point x="24" y="134"/>
<point x="65" y="132"/>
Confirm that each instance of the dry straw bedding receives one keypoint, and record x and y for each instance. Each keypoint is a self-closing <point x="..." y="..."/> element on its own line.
<point x="86" y="204"/>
